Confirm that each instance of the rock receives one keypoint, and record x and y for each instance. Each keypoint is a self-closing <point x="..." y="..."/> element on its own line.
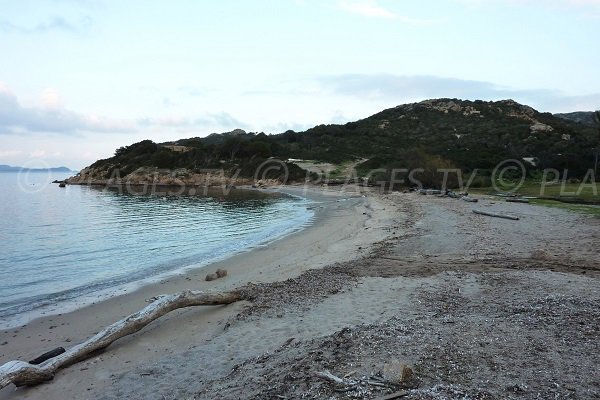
<point x="397" y="373"/>
<point x="539" y="127"/>
<point x="211" y="277"/>
<point x="62" y="185"/>
<point x="221" y="273"/>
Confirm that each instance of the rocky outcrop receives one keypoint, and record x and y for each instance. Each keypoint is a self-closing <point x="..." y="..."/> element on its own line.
<point x="538" y="127"/>
<point x="163" y="177"/>
<point x="450" y="106"/>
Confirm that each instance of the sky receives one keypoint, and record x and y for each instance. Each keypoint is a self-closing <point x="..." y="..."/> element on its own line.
<point x="80" y="78"/>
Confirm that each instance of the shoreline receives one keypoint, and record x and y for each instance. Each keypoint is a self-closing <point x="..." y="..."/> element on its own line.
<point x="341" y="231"/>
<point x="71" y="304"/>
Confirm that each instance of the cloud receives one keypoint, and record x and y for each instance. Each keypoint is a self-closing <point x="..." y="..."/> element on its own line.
<point x="10" y="153"/>
<point x="595" y="3"/>
<point x="51" y="118"/>
<point x="40" y="153"/>
<point x="580" y="3"/>
<point x="193" y="90"/>
<point x="387" y="86"/>
<point x="537" y="3"/>
<point x="50" y="99"/>
<point x="367" y="9"/>
<point x="397" y="88"/>
<point x="222" y="120"/>
<point x="53" y="24"/>
<point x="564" y="103"/>
<point x="371" y="9"/>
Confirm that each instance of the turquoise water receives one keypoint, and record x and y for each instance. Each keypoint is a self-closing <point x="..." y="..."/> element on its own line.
<point x="61" y="244"/>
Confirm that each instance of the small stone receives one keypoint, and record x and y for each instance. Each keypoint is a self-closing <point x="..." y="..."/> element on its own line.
<point x="397" y="372"/>
<point x="221" y="273"/>
<point x="211" y="277"/>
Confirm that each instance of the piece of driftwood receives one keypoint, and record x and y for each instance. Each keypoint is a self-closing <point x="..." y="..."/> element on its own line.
<point x="47" y="355"/>
<point x="328" y="376"/>
<point x="489" y="214"/>
<point x="517" y="200"/>
<point x="393" y="396"/>
<point x="22" y="373"/>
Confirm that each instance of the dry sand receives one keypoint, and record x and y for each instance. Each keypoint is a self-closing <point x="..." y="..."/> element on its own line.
<point x="481" y="308"/>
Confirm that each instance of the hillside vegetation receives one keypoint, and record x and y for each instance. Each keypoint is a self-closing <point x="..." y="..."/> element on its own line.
<point x="442" y="133"/>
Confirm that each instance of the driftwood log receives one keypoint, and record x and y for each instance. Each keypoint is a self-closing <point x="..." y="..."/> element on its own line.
<point x="22" y="373"/>
<point x="517" y="200"/>
<point x="489" y="214"/>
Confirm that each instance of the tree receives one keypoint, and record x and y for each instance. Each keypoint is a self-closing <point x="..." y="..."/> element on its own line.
<point x="597" y="149"/>
<point x="231" y="147"/>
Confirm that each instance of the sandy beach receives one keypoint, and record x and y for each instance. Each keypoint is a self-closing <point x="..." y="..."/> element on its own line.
<point x="478" y="307"/>
<point x="346" y="225"/>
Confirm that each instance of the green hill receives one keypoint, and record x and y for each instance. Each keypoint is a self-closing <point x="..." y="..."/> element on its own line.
<point x="441" y="133"/>
<point x="582" y="117"/>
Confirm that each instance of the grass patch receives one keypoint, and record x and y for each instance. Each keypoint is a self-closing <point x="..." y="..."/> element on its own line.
<point x="591" y="210"/>
<point x="339" y="171"/>
<point x="586" y="191"/>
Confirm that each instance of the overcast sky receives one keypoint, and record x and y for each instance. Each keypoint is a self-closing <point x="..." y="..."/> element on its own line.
<point x="80" y="78"/>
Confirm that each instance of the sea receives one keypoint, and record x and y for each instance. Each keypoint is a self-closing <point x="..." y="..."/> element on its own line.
<point x="61" y="248"/>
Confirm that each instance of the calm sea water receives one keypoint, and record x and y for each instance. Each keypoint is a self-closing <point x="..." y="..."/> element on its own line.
<point x="58" y="245"/>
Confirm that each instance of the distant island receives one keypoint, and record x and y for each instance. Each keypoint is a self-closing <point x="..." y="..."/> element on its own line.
<point x="8" y="168"/>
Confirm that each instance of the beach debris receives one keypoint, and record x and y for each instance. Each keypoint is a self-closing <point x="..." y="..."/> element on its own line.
<point x="221" y="273"/>
<point x="400" y="373"/>
<point x="22" y="373"/>
<point x="490" y="214"/>
<point x="48" y="355"/>
<point x="397" y="373"/>
<point x="517" y="200"/>
<point x="395" y="395"/>
<point x="211" y="277"/>
<point x="430" y="191"/>
<point x="328" y="376"/>
<point x="469" y="199"/>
